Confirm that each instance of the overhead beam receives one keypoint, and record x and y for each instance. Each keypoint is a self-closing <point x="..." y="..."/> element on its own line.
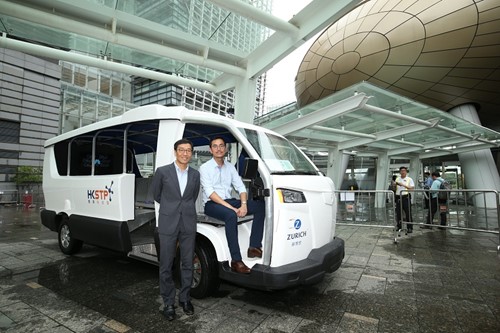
<point x="312" y="19"/>
<point x="342" y="132"/>
<point x="391" y="133"/>
<point x="459" y="150"/>
<point x="347" y="105"/>
<point x="429" y="145"/>
<point x="257" y="15"/>
<point x="396" y="115"/>
<point x="48" y="52"/>
<point x="406" y="143"/>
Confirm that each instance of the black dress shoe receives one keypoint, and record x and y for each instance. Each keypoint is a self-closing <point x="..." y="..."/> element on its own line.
<point x="169" y="312"/>
<point x="187" y="307"/>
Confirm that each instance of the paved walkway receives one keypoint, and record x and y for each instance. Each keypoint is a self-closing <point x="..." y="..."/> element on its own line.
<point x="431" y="281"/>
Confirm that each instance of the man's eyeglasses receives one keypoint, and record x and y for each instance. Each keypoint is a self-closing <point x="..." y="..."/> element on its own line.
<point x="184" y="151"/>
<point x="221" y="146"/>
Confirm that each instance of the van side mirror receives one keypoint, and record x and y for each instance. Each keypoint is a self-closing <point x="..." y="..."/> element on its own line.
<point x="250" y="167"/>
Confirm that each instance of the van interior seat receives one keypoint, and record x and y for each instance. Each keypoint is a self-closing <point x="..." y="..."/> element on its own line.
<point x="202" y="218"/>
<point x="144" y="193"/>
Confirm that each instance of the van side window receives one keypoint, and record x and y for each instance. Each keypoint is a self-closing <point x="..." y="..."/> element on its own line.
<point x="81" y="158"/>
<point x="102" y="152"/>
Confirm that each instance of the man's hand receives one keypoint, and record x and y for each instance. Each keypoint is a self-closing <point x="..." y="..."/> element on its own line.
<point x="242" y="211"/>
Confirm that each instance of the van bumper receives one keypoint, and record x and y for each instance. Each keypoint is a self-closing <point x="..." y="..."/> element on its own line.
<point x="325" y="259"/>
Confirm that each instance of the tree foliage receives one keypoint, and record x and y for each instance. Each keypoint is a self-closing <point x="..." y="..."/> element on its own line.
<point x="28" y="174"/>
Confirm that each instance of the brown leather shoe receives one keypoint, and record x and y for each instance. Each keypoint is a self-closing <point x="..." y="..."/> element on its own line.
<point x="254" y="252"/>
<point x="240" y="267"/>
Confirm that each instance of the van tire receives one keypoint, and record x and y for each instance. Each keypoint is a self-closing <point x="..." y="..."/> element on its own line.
<point x="205" y="270"/>
<point x="67" y="244"/>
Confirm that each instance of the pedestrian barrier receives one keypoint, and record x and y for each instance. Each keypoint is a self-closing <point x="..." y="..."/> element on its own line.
<point x="8" y="196"/>
<point x="472" y="210"/>
<point x="27" y="198"/>
<point x="367" y="208"/>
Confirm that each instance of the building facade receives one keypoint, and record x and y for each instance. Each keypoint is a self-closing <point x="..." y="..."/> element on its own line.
<point x="206" y="20"/>
<point x="30" y="97"/>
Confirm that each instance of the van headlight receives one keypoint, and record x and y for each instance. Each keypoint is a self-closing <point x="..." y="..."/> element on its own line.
<point x="290" y="196"/>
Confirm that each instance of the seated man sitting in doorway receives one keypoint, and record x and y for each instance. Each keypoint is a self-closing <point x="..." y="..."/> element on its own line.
<point x="218" y="178"/>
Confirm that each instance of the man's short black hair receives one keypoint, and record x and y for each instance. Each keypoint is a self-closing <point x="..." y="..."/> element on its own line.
<point x="403" y="167"/>
<point x="181" y="142"/>
<point x="217" y="138"/>
<point x="436" y="174"/>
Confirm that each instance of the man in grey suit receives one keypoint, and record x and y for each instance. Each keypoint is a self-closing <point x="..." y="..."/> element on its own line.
<point x="175" y="188"/>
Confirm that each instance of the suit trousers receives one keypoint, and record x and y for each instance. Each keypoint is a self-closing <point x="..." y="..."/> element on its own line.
<point x="255" y="207"/>
<point x="168" y="247"/>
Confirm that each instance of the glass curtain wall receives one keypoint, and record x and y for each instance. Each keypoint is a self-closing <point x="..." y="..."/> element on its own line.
<point x="89" y="95"/>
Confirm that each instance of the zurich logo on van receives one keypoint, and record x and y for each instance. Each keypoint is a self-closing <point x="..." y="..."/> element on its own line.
<point x="100" y="196"/>
<point x="294" y="237"/>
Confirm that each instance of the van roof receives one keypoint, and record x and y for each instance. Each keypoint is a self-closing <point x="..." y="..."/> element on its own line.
<point x="152" y="112"/>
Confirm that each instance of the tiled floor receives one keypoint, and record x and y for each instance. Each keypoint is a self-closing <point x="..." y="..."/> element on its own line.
<point x="431" y="281"/>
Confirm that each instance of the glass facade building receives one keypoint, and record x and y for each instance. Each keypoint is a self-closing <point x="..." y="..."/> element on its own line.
<point x="206" y="20"/>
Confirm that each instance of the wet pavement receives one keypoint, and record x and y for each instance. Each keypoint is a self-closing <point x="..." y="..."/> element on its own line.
<point x="431" y="281"/>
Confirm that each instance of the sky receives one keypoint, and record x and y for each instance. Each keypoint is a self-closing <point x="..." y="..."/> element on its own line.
<point x="280" y="80"/>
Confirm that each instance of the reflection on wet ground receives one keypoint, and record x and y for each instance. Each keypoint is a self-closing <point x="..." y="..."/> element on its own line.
<point x="432" y="281"/>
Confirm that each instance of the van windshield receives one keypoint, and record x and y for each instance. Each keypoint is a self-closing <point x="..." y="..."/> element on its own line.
<point x="279" y="154"/>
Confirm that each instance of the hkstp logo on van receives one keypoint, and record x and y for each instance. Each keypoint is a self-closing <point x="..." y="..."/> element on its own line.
<point x="100" y="196"/>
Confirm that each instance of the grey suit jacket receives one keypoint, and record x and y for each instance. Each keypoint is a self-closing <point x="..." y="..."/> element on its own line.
<point x="174" y="207"/>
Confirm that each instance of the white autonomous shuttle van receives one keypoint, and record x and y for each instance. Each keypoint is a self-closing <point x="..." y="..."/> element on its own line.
<point x="96" y="185"/>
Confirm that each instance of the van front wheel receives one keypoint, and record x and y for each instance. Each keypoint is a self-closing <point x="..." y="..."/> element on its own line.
<point x="205" y="270"/>
<point x="68" y="244"/>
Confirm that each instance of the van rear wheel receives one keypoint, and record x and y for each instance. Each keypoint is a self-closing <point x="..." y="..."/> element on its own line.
<point x="205" y="270"/>
<point x="67" y="244"/>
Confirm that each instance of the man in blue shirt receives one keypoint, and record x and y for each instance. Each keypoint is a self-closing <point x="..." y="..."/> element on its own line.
<point x="218" y="178"/>
<point x="435" y="201"/>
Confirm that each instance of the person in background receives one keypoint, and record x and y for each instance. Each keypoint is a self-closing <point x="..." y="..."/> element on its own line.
<point x="176" y="187"/>
<point x="403" y="198"/>
<point x="427" y="185"/>
<point x="436" y="201"/>
<point x="392" y="187"/>
<point x="218" y="178"/>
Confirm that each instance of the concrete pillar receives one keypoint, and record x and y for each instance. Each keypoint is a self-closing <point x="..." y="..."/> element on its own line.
<point x="415" y="169"/>
<point x="382" y="181"/>
<point x="244" y="100"/>
<point x="478" y="166"/>
<point x="337" y="164"/>
<point x="414" y="173"/>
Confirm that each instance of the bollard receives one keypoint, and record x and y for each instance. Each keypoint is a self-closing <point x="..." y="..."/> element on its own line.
<point x="27" y="199"/>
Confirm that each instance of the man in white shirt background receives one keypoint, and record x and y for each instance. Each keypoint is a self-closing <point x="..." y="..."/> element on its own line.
<point x="403" y="198"/>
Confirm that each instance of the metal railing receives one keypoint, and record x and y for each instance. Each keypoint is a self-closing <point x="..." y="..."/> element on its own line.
<point x="27" y="198"/>
<point x="367" y="208"/>
<point x="9" y="196"/>
<point x="471" y="210"/>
